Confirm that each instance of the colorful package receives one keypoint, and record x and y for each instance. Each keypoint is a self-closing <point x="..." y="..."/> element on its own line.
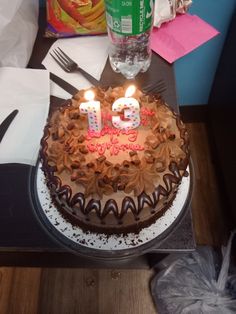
<point x="67" y="18"/>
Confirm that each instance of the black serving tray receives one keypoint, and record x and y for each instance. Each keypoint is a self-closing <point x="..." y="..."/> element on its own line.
<point x="155" y="245"/>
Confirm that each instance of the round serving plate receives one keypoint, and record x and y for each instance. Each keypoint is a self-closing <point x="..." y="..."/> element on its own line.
<point x="101" y="246"/>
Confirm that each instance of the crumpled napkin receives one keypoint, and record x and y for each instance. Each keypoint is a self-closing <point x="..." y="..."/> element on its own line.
<point x="28" y="91"/>
<point x="181" y="36"/>
<point x="18" y="30"/>
<point x="89" y="52"/>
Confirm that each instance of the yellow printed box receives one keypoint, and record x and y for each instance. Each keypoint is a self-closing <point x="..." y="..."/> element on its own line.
<point x="67" y="18"/>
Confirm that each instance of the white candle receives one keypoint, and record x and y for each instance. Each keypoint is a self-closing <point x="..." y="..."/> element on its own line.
<point x="93" y="109"/>
<point x="131" y="111"/>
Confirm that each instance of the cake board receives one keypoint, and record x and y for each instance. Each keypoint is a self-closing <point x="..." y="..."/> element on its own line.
<point x="100" y="246"/>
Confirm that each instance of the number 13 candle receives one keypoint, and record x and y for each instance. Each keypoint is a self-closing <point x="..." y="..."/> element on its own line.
<point x="131" y="111"/>
<point x="93" y="109"/>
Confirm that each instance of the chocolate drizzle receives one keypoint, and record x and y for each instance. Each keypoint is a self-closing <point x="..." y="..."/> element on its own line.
<point x="110" y="206"/>
<point x="170" y="180"/>
<point x="78" y="202"/>
<point x="93" y="205"/>
<point x="64" y="193"/>
<point x="157" y="194"/>
<point x="54" y="183"/>
<point x="128" y="204"/>
<point x="143" y="199"/>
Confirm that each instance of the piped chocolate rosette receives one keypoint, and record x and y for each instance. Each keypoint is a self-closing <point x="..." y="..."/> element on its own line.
<point x="115" y="180"/>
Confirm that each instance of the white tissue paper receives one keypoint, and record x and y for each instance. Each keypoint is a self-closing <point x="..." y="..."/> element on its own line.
<point x="28" y="91"/>
<point x="18" y="30"/>
<point x="89" y="52"/>
<point x="166" y="10"/>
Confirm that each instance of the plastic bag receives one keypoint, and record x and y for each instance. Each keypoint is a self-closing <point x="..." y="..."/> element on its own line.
<point x="66" y="18"/>
<point x="18" y="30"/>
<point x="195" y="283"/>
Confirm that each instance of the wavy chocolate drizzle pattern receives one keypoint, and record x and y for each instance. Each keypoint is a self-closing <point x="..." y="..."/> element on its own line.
<point x="128" y="204"/>
<point x="143" y="199"/>
<point x="110" y="206"/>
<point x="93" y="205"/>
<point x="62" y="194"/>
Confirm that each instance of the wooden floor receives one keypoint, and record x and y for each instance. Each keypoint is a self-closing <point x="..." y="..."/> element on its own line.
<point x="86" y="291"/>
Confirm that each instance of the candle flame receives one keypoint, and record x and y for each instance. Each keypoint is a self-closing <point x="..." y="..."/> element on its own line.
<point x="130" y="91"/>
<point x="89" y="95"/>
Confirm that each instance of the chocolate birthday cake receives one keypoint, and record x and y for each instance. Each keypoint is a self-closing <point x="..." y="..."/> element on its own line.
<point x="123" y="176"/>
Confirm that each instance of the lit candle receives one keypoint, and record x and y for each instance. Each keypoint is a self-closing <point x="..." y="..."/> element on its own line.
<point x="131" y="111"/>
<point x="93" y="110"/>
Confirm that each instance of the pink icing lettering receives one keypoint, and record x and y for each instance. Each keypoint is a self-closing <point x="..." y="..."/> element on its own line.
<point x="133" y="136"/>
<point x="114" y="150"/>
<point x="138" y="147"/>
<point x="91" y="147"/>
<point x="101" y="148"/>
<point x="147" y="112"/>
<point x="144" y="121"/>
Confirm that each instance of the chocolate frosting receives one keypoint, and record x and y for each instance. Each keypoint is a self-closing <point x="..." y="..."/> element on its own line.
<point x="148" y="178"/>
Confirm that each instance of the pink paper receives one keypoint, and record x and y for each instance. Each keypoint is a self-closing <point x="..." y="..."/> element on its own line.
<point x="180" y="36"/>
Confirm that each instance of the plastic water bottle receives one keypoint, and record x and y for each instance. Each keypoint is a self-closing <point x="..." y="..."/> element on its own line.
<point x="129" y="24"/>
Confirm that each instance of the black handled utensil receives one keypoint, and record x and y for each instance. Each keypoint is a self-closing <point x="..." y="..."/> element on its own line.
<point x="6" y="123"/>
<point x="63" y="84"/>
<point x="69" y="65"/>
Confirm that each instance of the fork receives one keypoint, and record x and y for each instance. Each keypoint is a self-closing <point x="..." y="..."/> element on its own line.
<point x="155" y="88"/>
<point x="68" y="65"/>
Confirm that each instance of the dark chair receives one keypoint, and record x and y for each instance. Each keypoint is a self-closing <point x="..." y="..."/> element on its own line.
<point x="222" y="123"/>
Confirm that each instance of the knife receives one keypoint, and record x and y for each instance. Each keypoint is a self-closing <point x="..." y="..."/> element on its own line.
<point x="6" y="123"/>
<point x="63" y="84"/>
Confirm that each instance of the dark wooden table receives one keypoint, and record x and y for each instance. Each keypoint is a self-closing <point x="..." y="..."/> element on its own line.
<point x="23" y="241"/>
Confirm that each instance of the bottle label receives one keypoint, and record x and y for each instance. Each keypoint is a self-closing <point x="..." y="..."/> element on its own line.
<point x="129" y="17"/>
